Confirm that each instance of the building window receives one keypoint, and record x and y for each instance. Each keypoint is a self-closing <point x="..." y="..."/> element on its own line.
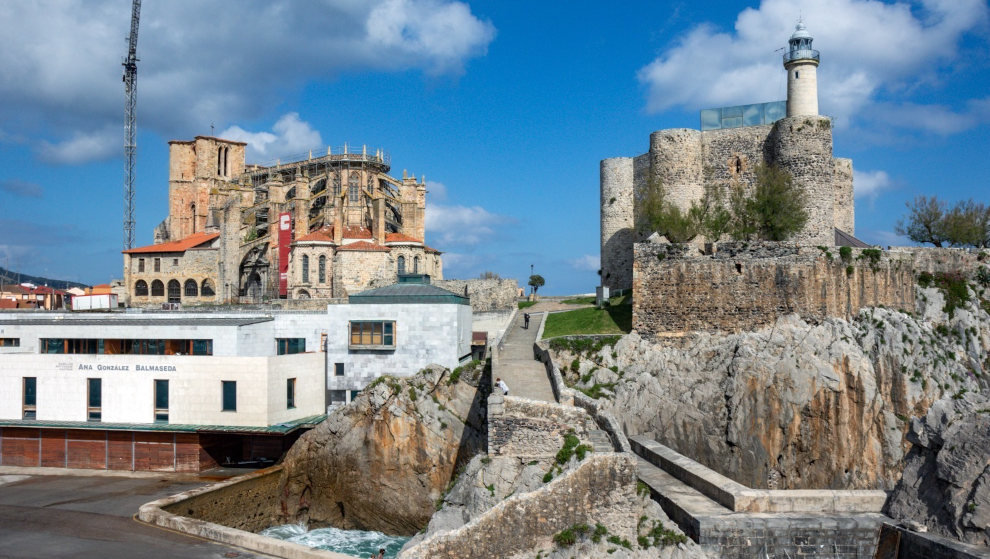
<point x="305" y="269"/>
<point x="338" y="369"/>
<point x="30" y="398"/>
<point x="191" y="288"/>
<point x="140" y="288"/>
<point x="290" y="394"/>
<point x="207" y="289"/>
<point x="338" y="396"/>
<point x="229" y="395"/>
<point x="401" y="264"/>
<point x="158" y="264"/>
<point x="174" y="291"/>
<point x="797" y="74"/>
<point x="416" y="265"/>
<point x="288" y="346"/>
<point x="354" y="186"/>
<point x="140" y="264"/>
<point x="378" y="334"/>
<point x="10" y="342"/>
<point x="94" y="398"/>
<point x="112" y="346"/>
<point x="157" y="288"/>
<point x="175" y="262"/>
<point x="161" y="401"/>
<point x="323" y="269"/>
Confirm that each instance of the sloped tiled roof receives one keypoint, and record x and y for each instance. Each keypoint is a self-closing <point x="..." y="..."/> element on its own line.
<point x="364" y="246"/>
<point x="192" y="241"/>
<point x="400" y="238"/>
<point x="431" y="250"/>
<point x="323" y="234"/>
<point x="357" y="233"/>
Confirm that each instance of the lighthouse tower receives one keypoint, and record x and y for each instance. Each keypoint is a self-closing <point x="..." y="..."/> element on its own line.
<point x="801" y="63"/>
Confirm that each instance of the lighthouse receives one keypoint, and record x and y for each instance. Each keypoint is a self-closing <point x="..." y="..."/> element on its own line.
<point x="801" y="63"/>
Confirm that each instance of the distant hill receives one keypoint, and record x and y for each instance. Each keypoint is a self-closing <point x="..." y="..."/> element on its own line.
<point x="9" y="276"/>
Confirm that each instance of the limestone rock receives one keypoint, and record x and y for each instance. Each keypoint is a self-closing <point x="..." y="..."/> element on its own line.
<point x="946" y="482"/>
<point x="381" y="462"/>
<point x="796" y="405"/>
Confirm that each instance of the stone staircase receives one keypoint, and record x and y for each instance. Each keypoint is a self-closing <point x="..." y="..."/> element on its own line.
<point x="600" y="441"/>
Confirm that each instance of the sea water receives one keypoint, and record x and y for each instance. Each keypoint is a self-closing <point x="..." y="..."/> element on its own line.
<point x="357" y="543"/>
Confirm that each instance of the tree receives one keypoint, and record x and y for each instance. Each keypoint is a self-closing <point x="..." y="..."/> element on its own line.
<point x="488" y="274"/>
<point x="929" y="220"/>
<point x="715" y="218"/>
<point x="536" y="281"/>
<point x="925" y="222"/>
<point x="775" y="211"/>
<point x="657" y="214"/>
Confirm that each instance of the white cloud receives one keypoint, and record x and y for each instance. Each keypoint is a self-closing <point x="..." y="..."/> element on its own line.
<point x="586" y="262"/>
<point x="207" y="61"/>
<point x="866" y="45"/>
<point x="436" y="191"/>
<point x="462" y="225"/>
<point x="290" y="136"/>
<point x="869" y="184"/>
<point x="83" y="147"/>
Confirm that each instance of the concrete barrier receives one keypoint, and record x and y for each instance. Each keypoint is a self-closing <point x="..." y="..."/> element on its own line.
<point x="739" y="498"/>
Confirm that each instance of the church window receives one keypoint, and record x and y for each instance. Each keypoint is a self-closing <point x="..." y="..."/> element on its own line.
<point x="207" y="288"/>
<point x="402" y="264"/>
<point x="305" y="269"/>
<point x="174" y="291"/>
<point x="141" y="288"/>
<point x="354" y="186"/>
<point x="193" y="212"/>
<point x="158" y="264"/>
<point x="323" y="269"/>
<point x="140" y="264"/>
<point x="157" y="288"/>
<point x="191" y="288"/>
<point x="416" y="265"/>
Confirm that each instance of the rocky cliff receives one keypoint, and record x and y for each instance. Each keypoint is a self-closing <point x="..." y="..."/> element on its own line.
<point x="381" y="462"/>
<point x="795" y="405"/>
<point x="946" y="482"/>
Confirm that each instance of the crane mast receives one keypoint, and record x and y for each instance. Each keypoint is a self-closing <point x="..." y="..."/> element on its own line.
<point x="130" y="125"/>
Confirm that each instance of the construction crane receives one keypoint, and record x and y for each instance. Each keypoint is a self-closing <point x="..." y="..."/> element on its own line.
<point x="130" y="125"/>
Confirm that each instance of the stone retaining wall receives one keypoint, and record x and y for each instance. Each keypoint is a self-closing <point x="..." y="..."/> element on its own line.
<point x="486" y="294"/>
<point x="602" y="489"/>
<point x="228" y="512"/>
<point x="900" y="543"/>
<point x="747" y="286"/>
<point x="529" y="428"/>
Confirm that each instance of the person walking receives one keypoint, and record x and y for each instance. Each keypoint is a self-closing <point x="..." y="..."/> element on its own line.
<point x="526" y="321"/>
<point x="502" y="386"/>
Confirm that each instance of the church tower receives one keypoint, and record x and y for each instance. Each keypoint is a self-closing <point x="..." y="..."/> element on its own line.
<point x="801" y="63"/>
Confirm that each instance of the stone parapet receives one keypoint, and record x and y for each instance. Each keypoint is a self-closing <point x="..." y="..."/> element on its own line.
<point x="486" y="294"/>
<point x="897" y="542"/>
<point x="530" y="428"/>
<point x="601" y="490"/>
<point x="739" y="498"/>
<point x="744" y="286"/>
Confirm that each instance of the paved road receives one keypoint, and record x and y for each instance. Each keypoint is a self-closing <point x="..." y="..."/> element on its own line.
<point x="525" y="376"/>
<point x="80" y="517"/>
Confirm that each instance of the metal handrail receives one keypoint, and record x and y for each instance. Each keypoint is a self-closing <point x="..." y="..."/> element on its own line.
<point x="801" y="54"/>
<point x="333" y="153"/>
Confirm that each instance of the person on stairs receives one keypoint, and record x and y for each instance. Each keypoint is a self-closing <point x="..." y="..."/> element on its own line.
<point x="502" y="386"/>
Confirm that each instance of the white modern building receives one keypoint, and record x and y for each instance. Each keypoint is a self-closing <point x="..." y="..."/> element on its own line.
<point x="186" y="391"/>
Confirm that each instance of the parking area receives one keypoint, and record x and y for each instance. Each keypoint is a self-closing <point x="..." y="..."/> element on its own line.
<point x="91" y="516"/>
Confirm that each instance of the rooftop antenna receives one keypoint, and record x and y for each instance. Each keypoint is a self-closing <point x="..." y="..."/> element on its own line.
<point x="130" y="124"/>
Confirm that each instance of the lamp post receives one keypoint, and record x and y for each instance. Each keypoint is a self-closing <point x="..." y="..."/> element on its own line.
<point x="531" y="276"/>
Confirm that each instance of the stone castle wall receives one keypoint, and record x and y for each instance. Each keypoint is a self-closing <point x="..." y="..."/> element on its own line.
<point x="743" y="287"/>
<point x="685" y="161"/>
<point x="487" y="295"/>
<point x="531" y="429"/>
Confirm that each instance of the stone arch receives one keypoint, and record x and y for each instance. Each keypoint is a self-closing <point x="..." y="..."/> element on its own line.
<point x="140" y="288"/>
<point x="190" y="288"/>
<point x="157" y="288"/>
<point x="254" y="272"/>
<point x="207" y="289"/>
<point x="174" y="291"/>
<point x="302" y="294"/>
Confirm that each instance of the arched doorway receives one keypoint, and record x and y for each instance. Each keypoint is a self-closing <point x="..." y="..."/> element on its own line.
<point x="254" y="274"/>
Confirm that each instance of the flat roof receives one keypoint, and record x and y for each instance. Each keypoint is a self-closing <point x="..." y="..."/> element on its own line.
<point x="110" y="319"/>
<point x="278" y="429"/>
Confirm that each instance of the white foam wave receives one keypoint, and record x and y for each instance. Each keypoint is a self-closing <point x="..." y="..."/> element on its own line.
<point x="358" y="543"/>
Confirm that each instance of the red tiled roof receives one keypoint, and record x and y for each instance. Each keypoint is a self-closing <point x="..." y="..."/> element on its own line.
<point x="192" y="241"/>
<point x="364" y="246"/>
<point x="432" y="250"/>
<point x="357" y="233"/>
<point x="400" y="238"/>
<point x="15" y="289"/>
<point x="323" y="234"/>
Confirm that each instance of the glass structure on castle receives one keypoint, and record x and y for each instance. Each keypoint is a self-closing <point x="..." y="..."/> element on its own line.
<point x="743" y="115"/>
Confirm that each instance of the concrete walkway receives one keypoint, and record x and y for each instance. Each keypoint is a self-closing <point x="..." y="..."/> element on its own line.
<point x="526" y="377"/>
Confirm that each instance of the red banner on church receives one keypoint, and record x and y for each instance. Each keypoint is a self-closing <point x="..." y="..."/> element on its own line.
<point x="284" y="240"/>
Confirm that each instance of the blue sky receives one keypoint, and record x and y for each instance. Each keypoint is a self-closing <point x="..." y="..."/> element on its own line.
<point x="506" y="107"/>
